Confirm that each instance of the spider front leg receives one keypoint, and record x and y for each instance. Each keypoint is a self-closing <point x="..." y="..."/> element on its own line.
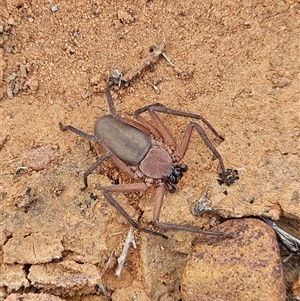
<point x="157" y="107"/>
<point x="78" y="132"/>
<point x="128" y="188"/>
<point x="186" y="140"/>
<point x="160" y="192"/>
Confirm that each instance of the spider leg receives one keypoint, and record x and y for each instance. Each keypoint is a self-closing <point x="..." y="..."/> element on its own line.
<point x="78" y="132"/>
<point x="168" y="138"/>
<point x="170" y="226"/>
<point x="93" y="167"/>
<point x="153" y="130"/>
<point x="110" y="101"/>
<point x="185" y="143"/>
<point x="128" y="188"/>
<point x="157" y="107"/>
<point x="160" y="130"/>
<point x="103" y="157"/>
<point x="89" y="138"/>
<point x="122" y="166"/>
<point x="114" y="113"/>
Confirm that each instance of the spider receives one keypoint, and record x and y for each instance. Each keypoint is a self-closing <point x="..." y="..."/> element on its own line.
<point x="146" y="152"/>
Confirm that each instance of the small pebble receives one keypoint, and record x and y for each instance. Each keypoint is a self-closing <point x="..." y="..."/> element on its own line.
<point x="54" y="8"/>
<point x="7" y="48"/>
<point x="11" y="21"/>
<point x="85" y="95"/>
<point x="23" y="70"/>
<point x="32" y="83"/>
<point x="95" y="80"/>
<point x="11" y="77"/>
<point x="9" y="92"/>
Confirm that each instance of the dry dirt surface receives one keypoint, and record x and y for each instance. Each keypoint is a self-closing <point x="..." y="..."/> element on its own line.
<point x="241" y="72"/>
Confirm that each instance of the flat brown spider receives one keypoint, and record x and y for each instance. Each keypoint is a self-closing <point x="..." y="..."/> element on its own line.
<point x="137" y="148"/>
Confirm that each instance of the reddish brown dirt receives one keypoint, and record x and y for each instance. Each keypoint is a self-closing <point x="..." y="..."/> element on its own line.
<point x="244" y="66"/>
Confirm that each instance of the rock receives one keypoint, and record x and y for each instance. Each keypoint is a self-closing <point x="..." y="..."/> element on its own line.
<point x="32" y="83"/>
<point x="39" y="157"/>
<point x="13" y="277"/>
<point x="9" y="92"/>
<point x="125" y="17"/>
<point x="95" y="80"/>
<point x="247" y="266"/>
<point x="32" y="297"/>
<point x="280" y="81"/>
<point x="66" y="278"/>
<point x="23" y="70"/>
<point x="11" y="77"/>
<point x="132" y="289"/>
<point x="11" y="21"/>
<point x="32" y="249"/>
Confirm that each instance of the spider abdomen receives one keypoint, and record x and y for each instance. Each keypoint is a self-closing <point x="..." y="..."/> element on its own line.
<point x="128" y="143"/>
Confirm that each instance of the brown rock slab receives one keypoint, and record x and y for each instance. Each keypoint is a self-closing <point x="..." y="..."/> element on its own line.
<point x="65" y="278"/>
<point x="32" y="249"/>
<point x="32" y="297"/>
<point x="245" y="267"/>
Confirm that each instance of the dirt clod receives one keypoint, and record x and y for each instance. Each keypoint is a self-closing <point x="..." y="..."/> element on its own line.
<point x="65" y="278"/>
<point x="32" y="249"/>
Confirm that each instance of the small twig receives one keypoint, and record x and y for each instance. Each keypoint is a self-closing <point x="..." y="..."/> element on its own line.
<point x="178" y="70"/>
<point x="103" y="290"/>
<point x="156" y="89"/>
<point x="115" y="233"/>
<point x="100" y="285"/>
<point x="291" y="243"/>
<point x="3" y="140"/>
<point x="182" y="74"/>
<point x="108" y="262"/>
<point x="135" y="297"/>
<point x="19" y="169"/>
<point x="128" y="241"/>
<point x="156" y="52"/>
